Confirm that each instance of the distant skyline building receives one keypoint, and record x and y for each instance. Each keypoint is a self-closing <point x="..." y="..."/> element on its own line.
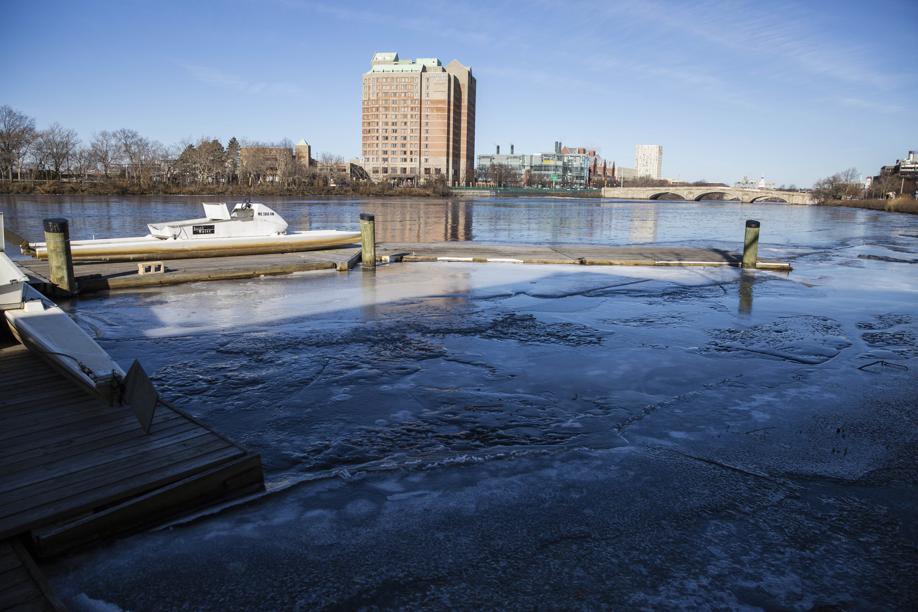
<point x="648" y="160"/>
<point x="303" y="154"/>
<point x="565" y="167"/>
<point x="418" y="120"/>
<point x="750" y="183"/>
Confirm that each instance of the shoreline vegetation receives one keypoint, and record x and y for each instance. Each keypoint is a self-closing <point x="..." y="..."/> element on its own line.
<point x="127" y="187"/>
<point x="902" y="204"/>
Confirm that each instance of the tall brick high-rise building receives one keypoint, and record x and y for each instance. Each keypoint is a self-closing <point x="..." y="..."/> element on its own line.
<point x="418" y="120"/>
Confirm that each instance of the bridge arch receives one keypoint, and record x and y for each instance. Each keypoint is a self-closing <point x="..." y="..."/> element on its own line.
<point x="768" y="198"/>
<point x="666" y="195"/>
<point x="726" y="196"/>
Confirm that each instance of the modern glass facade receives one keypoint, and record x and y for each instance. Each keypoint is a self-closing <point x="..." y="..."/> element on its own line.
<point x="555" y="170"/>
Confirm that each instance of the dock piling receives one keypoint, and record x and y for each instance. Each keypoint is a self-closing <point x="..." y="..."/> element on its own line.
<point x="368" y="240"/>
<point x="60" y="261"/>
<point x="751" y="244"/>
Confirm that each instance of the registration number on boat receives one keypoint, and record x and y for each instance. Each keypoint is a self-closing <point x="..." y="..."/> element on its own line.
<point x="202" y="229"/>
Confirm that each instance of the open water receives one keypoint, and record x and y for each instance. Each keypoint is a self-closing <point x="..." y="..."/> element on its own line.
<point x="505" y="436"/>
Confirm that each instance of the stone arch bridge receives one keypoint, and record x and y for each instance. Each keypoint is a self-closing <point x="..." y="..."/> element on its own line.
<point x="692" y="192"/>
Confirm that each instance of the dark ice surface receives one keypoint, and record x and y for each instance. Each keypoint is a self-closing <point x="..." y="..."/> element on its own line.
<point x="507" y="436"/>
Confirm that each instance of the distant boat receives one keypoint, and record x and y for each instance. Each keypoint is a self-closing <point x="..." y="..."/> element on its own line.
<point x="250" y="229"/>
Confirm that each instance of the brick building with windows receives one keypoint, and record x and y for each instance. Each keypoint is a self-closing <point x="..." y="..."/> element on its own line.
<point x="418" y="120"/>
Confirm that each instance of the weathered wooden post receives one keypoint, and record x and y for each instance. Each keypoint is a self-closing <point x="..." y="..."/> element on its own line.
<point x="368" y="240"/>
<point x="57" y="239"/>
<point x="751" y="244"/>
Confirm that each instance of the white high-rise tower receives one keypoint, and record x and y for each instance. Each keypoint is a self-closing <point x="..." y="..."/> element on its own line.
<point x="648" y="160"/>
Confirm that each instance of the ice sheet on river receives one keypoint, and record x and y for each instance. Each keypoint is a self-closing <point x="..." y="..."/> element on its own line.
<point x="453" y="435"/>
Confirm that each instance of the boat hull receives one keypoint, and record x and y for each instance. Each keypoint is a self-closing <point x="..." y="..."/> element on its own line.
<point x="12" y="283"/>
<point x="148" y="247"/>
<point x="51" y="333"/>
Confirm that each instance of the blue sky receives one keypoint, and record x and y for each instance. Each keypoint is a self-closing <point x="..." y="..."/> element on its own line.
<point x="792" y="91"/>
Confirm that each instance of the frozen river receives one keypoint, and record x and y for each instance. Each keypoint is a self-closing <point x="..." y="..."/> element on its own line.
<point x="500" y="436"/>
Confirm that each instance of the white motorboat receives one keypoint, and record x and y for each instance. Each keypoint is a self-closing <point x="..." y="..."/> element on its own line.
<point x="250" y="229"/>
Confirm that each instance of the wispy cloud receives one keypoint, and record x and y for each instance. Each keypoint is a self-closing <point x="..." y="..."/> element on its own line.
<point x="789" y="32"/>
<point x="219" y="78"/>
<point x="693" y="79"/>
<point x="870" y="105"/>
<point x="411" y="19"/>
<point x="541" y="78"/>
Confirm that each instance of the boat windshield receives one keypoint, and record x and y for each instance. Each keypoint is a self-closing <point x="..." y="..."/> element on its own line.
<point x="244" y="214"/>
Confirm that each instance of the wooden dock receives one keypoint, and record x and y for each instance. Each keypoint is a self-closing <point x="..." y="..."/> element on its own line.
<point x="74" y="470"/>
<point x="22" y="585"/>
<point x="588" y="255"/>
<point x="103" y="276"/>
<point x="94" y="276"/>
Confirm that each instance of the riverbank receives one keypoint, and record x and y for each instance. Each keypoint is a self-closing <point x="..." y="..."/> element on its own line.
<point x="903" y="204"/>
<point x="125" y="188"/>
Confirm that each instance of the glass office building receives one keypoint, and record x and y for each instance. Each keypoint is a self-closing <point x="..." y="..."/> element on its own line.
<point x="555" y="170"/>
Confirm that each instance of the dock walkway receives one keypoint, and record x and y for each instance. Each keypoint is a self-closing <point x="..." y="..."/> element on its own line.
<point x="22" y="586"/>
<point x="101" y="275"/>
<point x="94" y="276"/>
<point x="74" y="469"/>
<point x="590" y="255"/>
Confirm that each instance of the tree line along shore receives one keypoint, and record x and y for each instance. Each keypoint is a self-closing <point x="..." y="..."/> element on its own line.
<point x="116" y="187"/>
<point x="54" y="161"/>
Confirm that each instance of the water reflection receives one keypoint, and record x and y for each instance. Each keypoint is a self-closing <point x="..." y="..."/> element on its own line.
<point x="421" y="220"/>
<point x="643" y="226"/>
<point x="747" y="280"/>
<point x="532" y="220"/>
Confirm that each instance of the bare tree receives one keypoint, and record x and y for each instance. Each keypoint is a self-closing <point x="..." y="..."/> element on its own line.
<point x="17" y="132"/>
<point x="646" y="181"/>
<point x="105" y="150"/>
<point x="82" y="162"/>
<point x="330" y="159"/>
<point x="140" y="153"/>
<point x="211" y="159"/>
<point x="502" y="175"/>
<point x="56" y="145"/>
<point x="840" y="186"/>
<point x="884" y="185"/>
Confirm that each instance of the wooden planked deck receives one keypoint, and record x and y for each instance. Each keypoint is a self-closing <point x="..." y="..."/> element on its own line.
<point x="100" y="276"/>
<point x="22" y="586"/>
<point x="590" y="255"/>
<point x="73" y="469"/>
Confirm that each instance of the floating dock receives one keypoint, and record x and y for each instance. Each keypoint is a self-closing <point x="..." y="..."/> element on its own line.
<point x="104" y="276"/>
<point x="92" y="276"/>
<point x="588" y="255"/>
<point x="74" y="469"/>
<point x="22" y="585"/>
